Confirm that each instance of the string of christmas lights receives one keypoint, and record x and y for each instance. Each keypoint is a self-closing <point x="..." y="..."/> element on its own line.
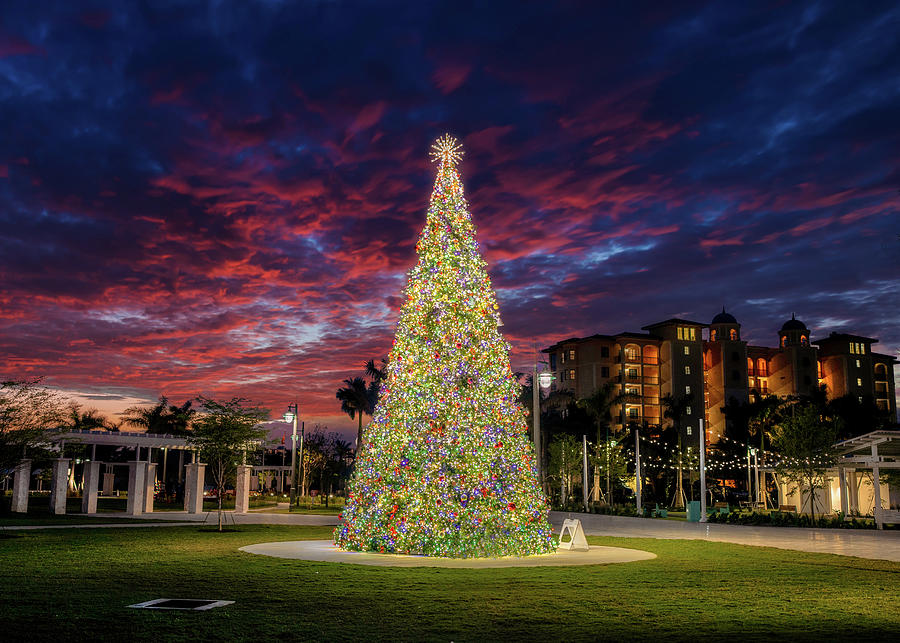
<point x="446" y="467"/>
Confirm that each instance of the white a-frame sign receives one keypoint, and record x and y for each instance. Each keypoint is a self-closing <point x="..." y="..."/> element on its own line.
<point x="576" y="541"/>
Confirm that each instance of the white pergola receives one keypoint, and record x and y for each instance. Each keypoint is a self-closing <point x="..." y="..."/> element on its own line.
<point x="876" y="450"/>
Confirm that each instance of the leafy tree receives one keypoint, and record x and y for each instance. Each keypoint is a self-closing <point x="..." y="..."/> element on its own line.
<point x="28" y="411"/>
<point x="356" y="400"/>
<point x="675" y="410"/>
<point x="224" y="432"/>
<point x="805" y="439"/>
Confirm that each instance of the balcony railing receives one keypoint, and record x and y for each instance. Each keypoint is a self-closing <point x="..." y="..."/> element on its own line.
<point x="651" y="379"/>
<point x="650" y="360"/>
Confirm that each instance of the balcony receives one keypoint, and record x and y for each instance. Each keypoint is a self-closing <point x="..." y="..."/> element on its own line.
<point x="651" y="379"/>
<point x="650" y="360"/>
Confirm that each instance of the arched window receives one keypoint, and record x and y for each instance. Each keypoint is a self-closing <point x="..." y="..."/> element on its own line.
<point x="750" y="366"/>
<point x="732" y="334"/>
<point x="761" y="367"/>
<point x="712" y="335"/>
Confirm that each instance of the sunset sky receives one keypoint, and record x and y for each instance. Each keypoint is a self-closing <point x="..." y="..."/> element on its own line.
<point x="225" y="198"/>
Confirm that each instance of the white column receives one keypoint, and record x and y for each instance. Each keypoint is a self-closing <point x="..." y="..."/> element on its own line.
<point x="58" y="486"/>
<point x="91" y="484"/>
<point x="842" y="482"/>
<point x="853" y="484"/>
<point x="195" y="474"/>
<point x="109" y="480"/>
<point x="877" y="485"/>
<point x="137" y="478"/>
<point x="21" y="483"/>
<point x="150" y="487"/>
<point x="242" y="490"/>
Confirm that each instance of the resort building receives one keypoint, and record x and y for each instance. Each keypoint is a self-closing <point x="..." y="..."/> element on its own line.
<point x="672" y="357"/>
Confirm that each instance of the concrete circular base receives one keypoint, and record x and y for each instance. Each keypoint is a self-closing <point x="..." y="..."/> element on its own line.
<point x="325" y="551"/>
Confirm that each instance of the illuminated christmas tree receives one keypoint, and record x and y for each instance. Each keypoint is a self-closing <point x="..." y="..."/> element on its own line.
<point x="446" y="467"/>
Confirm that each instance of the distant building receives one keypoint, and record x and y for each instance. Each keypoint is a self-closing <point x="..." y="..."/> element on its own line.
<point x="673" y="358"/>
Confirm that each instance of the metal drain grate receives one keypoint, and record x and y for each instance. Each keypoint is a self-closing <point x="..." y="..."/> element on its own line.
<point x="194" y="604"/>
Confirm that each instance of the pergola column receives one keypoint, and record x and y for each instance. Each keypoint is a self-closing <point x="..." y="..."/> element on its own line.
<point x="21" y="483"/>
<point x="109" y="480"/>
<point x="137" y="482"/>
<point x="59" y="485"/>
<point x="877" y="486"/>
<point x="150" y="487"/>
<point x="195" y="475"/>
<point x="242" y="490"/>
<point x="853" y="484"/>
<point x="842" y="482"/>
<point x="91" y="484"/>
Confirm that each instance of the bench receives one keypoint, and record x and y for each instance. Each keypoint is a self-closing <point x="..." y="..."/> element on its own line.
<point x="787" y="508"/>
<point x="659" y="512"/>
<point x="721" y="508"/>
<point x="890" y="517"/>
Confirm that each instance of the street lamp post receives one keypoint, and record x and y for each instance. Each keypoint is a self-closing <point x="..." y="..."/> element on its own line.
<point x="291" y="416"/>
<point x="538" y="381"/>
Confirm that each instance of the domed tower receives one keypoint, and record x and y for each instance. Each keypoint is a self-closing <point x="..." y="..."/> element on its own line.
<point x="796" y="365"/>
<point x="724" y="327"/>
<point x="725" y="365"/>
<point x="793" y="333"/>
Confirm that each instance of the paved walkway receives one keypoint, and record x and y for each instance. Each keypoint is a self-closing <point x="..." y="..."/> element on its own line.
<point x="878" y="545"/>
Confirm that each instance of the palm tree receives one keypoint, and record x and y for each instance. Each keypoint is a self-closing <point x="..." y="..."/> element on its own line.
<point x="180" y="417"/>
<point x="599" y="406"/>
<point x="356" y="400"/>
<point x="151" y="418"/>
<point x="85" y="420"/>
<point x="675" y="410"/>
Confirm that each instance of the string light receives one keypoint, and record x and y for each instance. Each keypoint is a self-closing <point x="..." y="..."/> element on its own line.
<point x="446" y="467"/>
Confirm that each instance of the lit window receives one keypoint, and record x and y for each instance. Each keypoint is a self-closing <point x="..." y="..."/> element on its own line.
<point x="687" y="390"/>
<point x="633" y="412"/>
<point x="686" y="334"/>
<point x="852" y="347"/>
<point x="562" y="357"/>
<point x="687" y="370"/>
<point x="572" y="353"/>
<point x="604" y="371"/>
<point x="733" y="334"/>
<point x="859" y="381"/>
<point x="572" y="374"/>
<point x="860" y="399"/>
<point x="687" y="410"/>
<point x="712" y="335"/>
<point x="688" y="430"/>
<point x="687" y="350"/>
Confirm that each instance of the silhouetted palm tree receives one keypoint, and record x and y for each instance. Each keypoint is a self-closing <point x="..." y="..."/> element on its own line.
<point x="162" y="417"/>
<point x="675" y="410"/>
<point x="599" y="406"/>
<point x="356" y="400"/>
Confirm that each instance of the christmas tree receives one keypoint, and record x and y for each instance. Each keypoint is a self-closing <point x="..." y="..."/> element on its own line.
<point x="446" y="467"/>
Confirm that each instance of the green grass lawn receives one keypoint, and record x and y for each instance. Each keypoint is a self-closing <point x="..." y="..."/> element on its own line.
<point x="76" y="583"/>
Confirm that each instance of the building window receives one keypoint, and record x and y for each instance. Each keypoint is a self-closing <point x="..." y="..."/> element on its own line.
<point x="604" y="371"/>
<point x="604" y="351"/>
<point x="687" y="350"/>
<point x="687" y="370"/>
<point x="687" y="390"/>
<point x="712" y="335"/>
<point x="733" y="334"/>
<point x="572" y="374"/>
<point x="631" y="373"/>
<point x="857" y="363"/>
<point x="687" y="410"/>
<point x="687" y="334"/>
<point x="860" y="399"/>
<point x="631" y="355"/>
<point x="859" y="381"/>
<point x="562" y="357"/>
<point x="804" y="340"/>
<point x="633" y="412"/>
<point x="688" y="430"/>
<point x="572" y="354"/>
